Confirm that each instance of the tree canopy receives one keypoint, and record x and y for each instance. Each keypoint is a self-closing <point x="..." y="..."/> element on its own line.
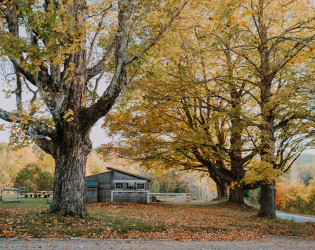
<point x="233" y="95"/>
<point x="61" y="53"/>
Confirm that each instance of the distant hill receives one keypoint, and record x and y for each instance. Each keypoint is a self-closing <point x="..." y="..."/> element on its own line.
<point x="306" y="159"/>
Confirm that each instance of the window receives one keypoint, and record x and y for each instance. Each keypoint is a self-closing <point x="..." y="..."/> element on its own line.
<point x="130" y="186"/>
<point x="119" y="186"/>
<point x="140" y="186"/>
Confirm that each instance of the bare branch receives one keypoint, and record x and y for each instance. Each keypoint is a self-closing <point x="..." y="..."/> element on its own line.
<point x="98" y="68"/>
<point x="158" y="35"/>
<point x="99" y="28"/>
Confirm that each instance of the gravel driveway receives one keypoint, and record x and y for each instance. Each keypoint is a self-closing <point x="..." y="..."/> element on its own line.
<point x="267" y="242"/>
<point x="297" y="218"/>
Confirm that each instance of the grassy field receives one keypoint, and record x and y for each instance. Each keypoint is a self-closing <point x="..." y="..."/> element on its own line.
<point x="180" y="221"/>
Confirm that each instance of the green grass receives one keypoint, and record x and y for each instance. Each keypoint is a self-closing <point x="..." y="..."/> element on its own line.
<point x="26" y="203"/>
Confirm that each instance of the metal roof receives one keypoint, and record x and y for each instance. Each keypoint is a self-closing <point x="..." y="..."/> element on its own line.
<point x="134" y="175"/>
<point x="91" y="183"/>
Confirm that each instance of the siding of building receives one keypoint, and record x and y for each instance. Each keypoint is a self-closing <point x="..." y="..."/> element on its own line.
<point x="106" y="188"/>
<point x="136" y="197"/>
<point x="91" y="194"/>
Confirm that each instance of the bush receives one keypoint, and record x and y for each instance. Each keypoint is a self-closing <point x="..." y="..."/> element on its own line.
<point x="297" y="197"/>
<point x="34" y="179"/>
<point x="155" y="187"/>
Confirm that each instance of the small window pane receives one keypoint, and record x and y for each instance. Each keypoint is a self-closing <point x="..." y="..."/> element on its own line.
<point x="140" y="186"/>
<point x="130" y="186"/>
<point x="119" y="186"/>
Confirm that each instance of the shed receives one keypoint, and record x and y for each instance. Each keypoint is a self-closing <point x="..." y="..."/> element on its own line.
<point x="117" y="185"/>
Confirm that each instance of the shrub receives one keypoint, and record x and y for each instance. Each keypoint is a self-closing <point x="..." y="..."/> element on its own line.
<point x="33" y="178"/>
<point x="155" y="187"/>
<point x="297" y="197"/>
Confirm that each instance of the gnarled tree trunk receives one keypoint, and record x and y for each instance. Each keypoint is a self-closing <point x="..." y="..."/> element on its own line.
<point x="268" y="201"/>
<point x="69" y="181"/>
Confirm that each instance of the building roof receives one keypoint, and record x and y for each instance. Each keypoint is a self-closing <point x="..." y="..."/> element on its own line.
<point x="124" y="172"/>
<point x="91" y="183"/>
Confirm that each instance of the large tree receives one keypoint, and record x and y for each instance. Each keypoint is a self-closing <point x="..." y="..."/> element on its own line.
<point x="61" y="51"/>
<point x="259" y="55"/>
<point x="195" y="112"/>
<point x="277" y="44"/>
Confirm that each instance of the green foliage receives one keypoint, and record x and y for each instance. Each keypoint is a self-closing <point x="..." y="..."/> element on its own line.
<point x="45" y="181"/>
<point x="253" y="196"/>
<point x="307" y="179"/>
<point x="155" y="187"/>
<point x="258" y="194"/>
<point x="33" y="178"/>
<point x="246" y="193"/>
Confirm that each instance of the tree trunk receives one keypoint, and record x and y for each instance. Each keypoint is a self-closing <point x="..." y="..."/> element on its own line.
<point x="268" y="201"/>
<point x="222" y="189"/>
<point x="237" y="194"/>
<point x="69" y="181"/>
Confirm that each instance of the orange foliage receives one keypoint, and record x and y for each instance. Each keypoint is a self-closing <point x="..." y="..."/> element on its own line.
<point x="295" y="197"/>
<point x="23" y="156"/>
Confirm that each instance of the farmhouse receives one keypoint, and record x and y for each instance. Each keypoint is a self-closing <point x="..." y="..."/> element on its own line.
<point x="117" y="185"/>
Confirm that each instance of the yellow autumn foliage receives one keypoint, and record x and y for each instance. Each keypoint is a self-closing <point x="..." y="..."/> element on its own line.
<point x="262" y="171"/>
<point x="299" y="198"/>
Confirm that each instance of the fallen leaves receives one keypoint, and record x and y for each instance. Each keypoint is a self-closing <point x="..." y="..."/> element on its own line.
<point x="154" y="221"/>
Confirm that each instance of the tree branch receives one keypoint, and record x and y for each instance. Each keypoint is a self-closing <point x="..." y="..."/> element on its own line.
<point x="158" y="35"/>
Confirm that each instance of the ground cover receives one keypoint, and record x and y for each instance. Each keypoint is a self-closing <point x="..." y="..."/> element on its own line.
<point x="179" y="221"/>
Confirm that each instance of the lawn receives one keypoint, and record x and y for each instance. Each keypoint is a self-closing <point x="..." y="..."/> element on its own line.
<point x="180" y="221"/>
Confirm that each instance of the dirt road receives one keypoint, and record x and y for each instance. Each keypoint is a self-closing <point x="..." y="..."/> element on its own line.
<point x="268" y="242"/>
<point x="296" y="218"/>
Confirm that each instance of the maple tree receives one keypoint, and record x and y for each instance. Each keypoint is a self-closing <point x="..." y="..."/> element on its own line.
<point x="193" y="114"/>
<point x="240" y="88"/>
<point x="61" y="52"/>
<point x="277" y="44"/>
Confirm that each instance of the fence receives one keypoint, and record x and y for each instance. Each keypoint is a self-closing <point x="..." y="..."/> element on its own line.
<point x="12" y="195"/>
<point x="172" y="196"/>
